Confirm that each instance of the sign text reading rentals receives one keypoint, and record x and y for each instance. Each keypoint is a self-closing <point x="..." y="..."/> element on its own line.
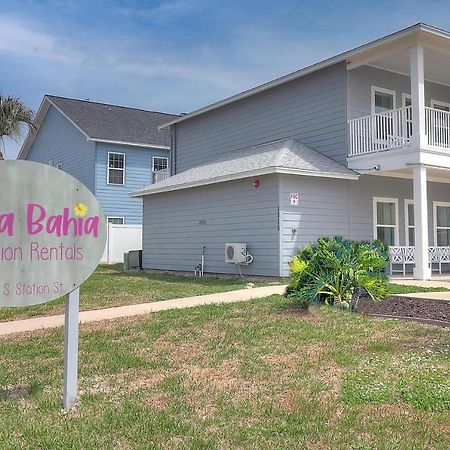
<point x="52" y="233"/>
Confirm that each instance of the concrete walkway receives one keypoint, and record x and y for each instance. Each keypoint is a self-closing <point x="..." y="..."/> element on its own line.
<point x="39" y="323"/>
<point x="434" y="282"/>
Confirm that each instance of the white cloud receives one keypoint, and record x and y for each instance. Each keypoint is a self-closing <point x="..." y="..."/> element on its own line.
<point x="20" y="40"/>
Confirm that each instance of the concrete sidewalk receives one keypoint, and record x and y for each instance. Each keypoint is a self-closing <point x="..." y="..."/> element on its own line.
<point x="39" y="323"/>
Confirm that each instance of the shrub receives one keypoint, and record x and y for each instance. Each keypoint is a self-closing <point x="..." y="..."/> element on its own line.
<point x="339" y="271"/>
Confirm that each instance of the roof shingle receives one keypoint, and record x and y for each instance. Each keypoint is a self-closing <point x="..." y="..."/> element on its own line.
<point x="287" y="155"/>
<point x="115" y="123"/>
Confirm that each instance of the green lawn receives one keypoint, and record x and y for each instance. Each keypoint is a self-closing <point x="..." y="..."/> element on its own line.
<point x="111" y="286"/>
<point x="259" y="374"/>
<point x="405" y="289"/>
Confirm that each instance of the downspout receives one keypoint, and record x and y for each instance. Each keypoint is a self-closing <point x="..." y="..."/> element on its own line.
<point x="173" y="151"/>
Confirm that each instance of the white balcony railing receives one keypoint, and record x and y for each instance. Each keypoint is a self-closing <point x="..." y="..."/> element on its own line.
<point x="382" y="131"/>
<point x="159" y="175"/>
<point x="437" y="127"/>
<point x="392" y="129"/>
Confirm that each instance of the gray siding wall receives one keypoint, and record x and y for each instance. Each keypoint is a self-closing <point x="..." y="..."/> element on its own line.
<point x="330" y="207"/>
<point x="311" y="109"/>
<point x="60" y="141"/>
<point x="360" y="81"/>
<point x="234" y="211"/>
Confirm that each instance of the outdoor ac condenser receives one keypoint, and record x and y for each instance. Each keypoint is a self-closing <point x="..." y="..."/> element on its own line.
<point x="236" y="253"/>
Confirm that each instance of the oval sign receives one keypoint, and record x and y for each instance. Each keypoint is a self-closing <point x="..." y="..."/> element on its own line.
<point x="52" y="233"/>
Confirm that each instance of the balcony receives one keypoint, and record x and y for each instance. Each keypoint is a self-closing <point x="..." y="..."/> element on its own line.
<point x="159" y="175"/>
<point x="393" y="129"/>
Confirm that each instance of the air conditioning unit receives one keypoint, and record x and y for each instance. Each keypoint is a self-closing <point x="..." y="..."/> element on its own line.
<point x="236" y="253"/>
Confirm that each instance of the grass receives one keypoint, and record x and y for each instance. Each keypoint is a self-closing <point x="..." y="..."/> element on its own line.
<point x="253" y="375"/>
<point x="395" y="289"/>
<point x="111" y="286"/>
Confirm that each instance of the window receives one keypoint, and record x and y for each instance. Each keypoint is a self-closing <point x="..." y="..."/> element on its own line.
<point x="409" y="222"/>
<point x="116" y="220"/>
<point x="440" y="121"/>
<point x="160" y="163"/>
<point x="385" y="218"/>
<point x="406" y="101"/>
<point x="383" y="100"/>
<point x="116" y="168"/>
<point x="442" y="106"/>
<point x="441" y="216"/>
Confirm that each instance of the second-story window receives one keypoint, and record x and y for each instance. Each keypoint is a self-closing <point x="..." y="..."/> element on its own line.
<point x="116" y="168"/>
<point x="160" y="163"/>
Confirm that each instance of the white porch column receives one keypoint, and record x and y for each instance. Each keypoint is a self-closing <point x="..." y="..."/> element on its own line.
<point x="417" y="95"/>
<point x="421" y="270"/>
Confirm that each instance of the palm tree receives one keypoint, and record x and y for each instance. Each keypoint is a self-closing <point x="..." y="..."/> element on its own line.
<point x="13" y="114"/>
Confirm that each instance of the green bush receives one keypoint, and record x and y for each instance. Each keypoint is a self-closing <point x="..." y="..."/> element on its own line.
<point x="338" y="271"/>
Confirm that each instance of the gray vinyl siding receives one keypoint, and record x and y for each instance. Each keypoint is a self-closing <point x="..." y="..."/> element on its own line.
<point x="330" y="207"/>
<point x="234" y="211"/>
<point x="311" y="109"/>
<point x="60" y="141"/>
<point x="360" y="81"/>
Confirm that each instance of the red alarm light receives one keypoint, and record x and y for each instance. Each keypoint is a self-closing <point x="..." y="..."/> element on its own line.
<point x="256" y="183"/>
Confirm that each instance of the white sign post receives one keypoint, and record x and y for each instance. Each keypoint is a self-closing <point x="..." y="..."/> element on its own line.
<point x="52" y="237"/>
<point x="71" y="348"/>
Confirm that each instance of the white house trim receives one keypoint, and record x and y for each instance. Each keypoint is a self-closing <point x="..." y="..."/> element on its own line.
<point x="435" y="227"/>
<point x="407" y="226"/>
<point x="133" y="144"/>
<point x="375" y="221"/>
<point x="124" y="169"/>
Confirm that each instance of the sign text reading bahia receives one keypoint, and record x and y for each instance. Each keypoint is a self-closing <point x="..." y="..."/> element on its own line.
<point x="52" y="233"/>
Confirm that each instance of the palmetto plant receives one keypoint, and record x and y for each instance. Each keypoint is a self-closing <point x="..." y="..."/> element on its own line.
<point x="13" y="115"/>
<point x="332" y="270"/>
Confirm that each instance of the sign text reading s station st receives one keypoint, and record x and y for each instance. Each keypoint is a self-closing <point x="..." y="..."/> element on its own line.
<point x="52" y="233"/>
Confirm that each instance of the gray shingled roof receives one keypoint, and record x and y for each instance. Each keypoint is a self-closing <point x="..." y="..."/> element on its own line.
<point x="115" y="123"/>
<point x="284" y="156"/>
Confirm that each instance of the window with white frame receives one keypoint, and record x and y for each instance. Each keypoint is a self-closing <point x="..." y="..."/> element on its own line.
<point x="441" y="216"/>
<point x="116" y="168"/>
<point x="409" y="223"/>
<point x="385" y="218"/>
<point x="407" y="101"/>
<point x="160" y="163"/>
<point x="116" y="220"/>
<point x="383" y="100"/>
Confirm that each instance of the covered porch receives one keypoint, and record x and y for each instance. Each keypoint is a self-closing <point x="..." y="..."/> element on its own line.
<point x="423" y="247"/>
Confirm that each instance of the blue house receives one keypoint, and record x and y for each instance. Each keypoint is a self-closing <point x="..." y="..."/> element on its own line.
<point x="112" y="149"/>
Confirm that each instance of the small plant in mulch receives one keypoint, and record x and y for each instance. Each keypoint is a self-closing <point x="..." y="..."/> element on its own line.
<point x="337" y="271"/>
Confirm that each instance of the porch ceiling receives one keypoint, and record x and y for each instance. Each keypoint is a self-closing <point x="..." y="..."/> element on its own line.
<point x="395" y="57"/>
<point x="437" y="65"/>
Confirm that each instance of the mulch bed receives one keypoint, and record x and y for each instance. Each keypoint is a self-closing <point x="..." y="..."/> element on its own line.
<point x="426" y="310"/>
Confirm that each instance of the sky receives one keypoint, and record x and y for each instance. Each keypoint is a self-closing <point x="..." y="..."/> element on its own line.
<point x="178" y="55"/>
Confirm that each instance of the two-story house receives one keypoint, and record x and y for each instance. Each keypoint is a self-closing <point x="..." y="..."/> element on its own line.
<point x="357" y="145"/>
<point x="112" y="149"/>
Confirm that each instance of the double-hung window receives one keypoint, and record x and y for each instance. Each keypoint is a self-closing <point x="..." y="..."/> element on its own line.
<point x="385" y="218"/>
<point x="409" y="223"/>
<point x="441" y="213"/>
<point x="116" y="168"/>
<point x="383" y="101"/>
<point x="160" y="163"/>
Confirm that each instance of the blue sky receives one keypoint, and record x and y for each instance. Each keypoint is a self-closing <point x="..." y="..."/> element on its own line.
<point x="178" y="55"/>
